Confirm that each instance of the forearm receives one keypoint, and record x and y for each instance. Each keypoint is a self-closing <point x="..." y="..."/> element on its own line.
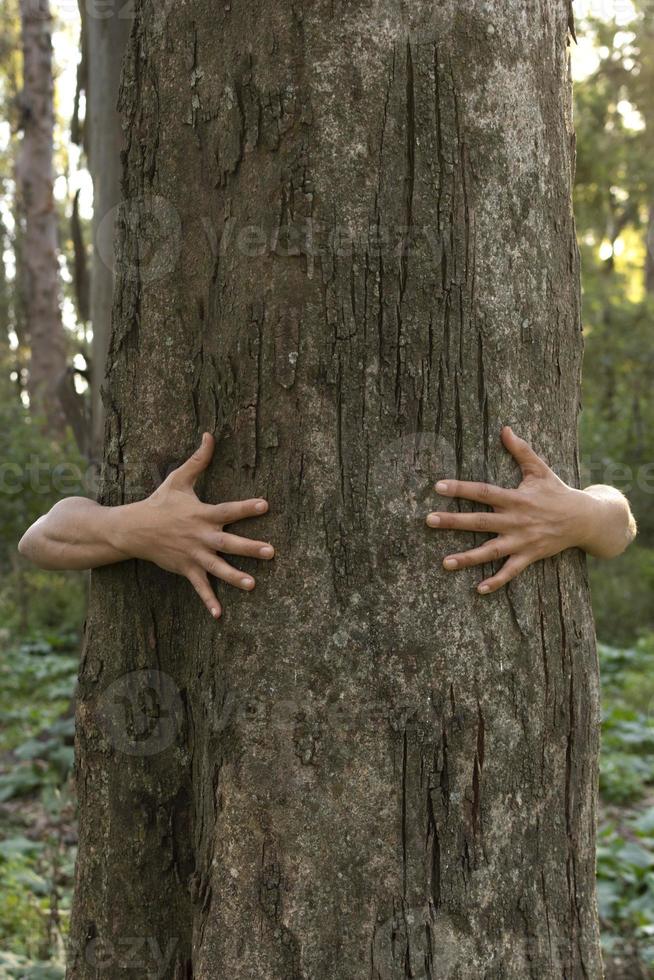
<point x="611" y="526"/>
<point x="76" y="534"/>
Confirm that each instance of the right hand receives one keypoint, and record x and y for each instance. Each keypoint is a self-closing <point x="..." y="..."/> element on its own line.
<point x="176" y="531"/>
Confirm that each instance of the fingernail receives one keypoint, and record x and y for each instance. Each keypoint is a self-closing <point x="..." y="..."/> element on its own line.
<point x="433" y="520"/>
<point x="450" y="563"/>
<point x="441" y="486"/>
<point x="261" y="506"/>
<point x="204" y="438"/>
<point x="215" y="612"/>
<point x="267" y="551"/>
<point x="247" y="582"/>
<point x="483" y="588"/>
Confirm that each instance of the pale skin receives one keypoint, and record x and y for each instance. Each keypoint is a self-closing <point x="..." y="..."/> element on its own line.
<point x="172" y="528"/>
<point x="175" y="530"/>
<point x="540" y="518"/>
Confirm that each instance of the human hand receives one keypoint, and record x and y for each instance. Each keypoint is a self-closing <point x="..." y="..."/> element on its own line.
<point x="176" y="531"/>
<point x="540" y="518"/>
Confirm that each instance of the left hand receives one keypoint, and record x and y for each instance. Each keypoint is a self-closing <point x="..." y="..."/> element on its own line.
<point x="540" y="518"/>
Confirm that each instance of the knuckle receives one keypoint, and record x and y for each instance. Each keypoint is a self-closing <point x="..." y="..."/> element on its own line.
<point x="208" y="564"/>
<point x="483" y="522"/>
<point x="484" y="490"/>
<point x="220" y="540"/>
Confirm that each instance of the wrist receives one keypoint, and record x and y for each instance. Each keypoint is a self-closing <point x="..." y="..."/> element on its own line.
<point x="120" y="529"/>
<point x="586" y="515"/>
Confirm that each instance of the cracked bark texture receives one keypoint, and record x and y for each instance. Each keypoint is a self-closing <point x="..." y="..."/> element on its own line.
<point x="376" y="773"/>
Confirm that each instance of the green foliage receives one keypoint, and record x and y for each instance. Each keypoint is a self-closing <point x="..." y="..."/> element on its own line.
<point x="622" y="592"/>
<point x="614" y="209"/>
<point x="625" y="854"/>
<point x="37" y="682"/>
<point x="34" y="601"/>
<point x="20" y="968"/>
<point x="35" y="470"/>
<point x="625" y="885"/>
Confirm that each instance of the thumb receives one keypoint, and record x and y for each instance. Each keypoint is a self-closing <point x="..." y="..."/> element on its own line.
<point x="196" y="464"/>
<point x="529" y="461"/>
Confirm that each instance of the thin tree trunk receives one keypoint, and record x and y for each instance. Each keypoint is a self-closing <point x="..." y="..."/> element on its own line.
<point x="34" y="173"/>
<point x="6" y="302"/>
<point x="649" y="253"/>
<point x="104" y="45"/>
<point x="366" y="770"/>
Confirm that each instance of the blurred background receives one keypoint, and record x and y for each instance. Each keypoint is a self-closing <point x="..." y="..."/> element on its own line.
<point x="57" y="117"/>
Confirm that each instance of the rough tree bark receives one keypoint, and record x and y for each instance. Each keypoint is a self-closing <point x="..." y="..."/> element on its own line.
<point x="34" y="177"/>
<point x="365" y="770"/>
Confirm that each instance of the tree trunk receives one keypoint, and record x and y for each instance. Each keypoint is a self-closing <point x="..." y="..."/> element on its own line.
<point x="5" y="302"/>
<point x="34" y="174"/>
<point x="349" y="251"/>
<point x="106" y="30"/>
<point x="649" y="253"/>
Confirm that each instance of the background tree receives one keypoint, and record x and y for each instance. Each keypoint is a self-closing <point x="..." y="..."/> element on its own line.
<point x="104" y="36"/>
<point x="349" y="251"/>
<point x="34" y="174"/>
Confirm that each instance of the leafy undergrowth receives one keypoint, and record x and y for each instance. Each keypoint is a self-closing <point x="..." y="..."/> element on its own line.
<point x="625" y="852"/>
<point x="37" y="814"/>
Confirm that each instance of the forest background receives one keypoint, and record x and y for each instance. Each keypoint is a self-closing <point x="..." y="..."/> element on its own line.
<point x="43" y="458"/>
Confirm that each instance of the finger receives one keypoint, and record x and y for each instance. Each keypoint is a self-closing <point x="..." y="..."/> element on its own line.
<point x="195" y="465"/>
<point x="238" y="510"/>
<point x="221" y="569"/>
<point x="200" y="583"/>
<point x="512" y="567"/>
<point x="490" y="551"/>
<point x="490" y="521"/>
<point x="482" y="493"/>
<point x="529" y="461"/>
<point x="233" y="544"/>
